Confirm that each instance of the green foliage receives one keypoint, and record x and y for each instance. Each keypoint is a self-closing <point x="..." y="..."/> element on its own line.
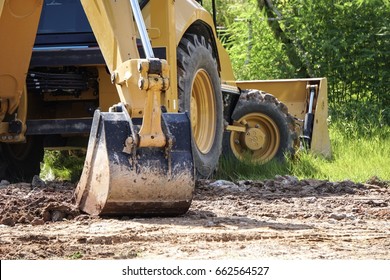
<point x="254" y="51"/>
<point x="62" y="165"/>
<point x="221" y="7"/>
<point x="346" y="41"/>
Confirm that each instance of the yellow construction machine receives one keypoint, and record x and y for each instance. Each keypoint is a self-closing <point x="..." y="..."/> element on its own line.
<point x="151" y="85"/>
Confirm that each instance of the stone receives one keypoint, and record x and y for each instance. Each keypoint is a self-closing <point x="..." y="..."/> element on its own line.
<point x="337" y="216"/>
<point x="37" y="222"/>
<point x="38" y="182"/>
<point x="4" y="183"/>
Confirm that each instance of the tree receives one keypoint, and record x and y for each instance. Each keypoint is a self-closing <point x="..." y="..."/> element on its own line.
<point x="291" y="51"/>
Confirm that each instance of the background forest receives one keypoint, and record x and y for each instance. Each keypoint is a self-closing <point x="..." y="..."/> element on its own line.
<point x="346" y="41"/>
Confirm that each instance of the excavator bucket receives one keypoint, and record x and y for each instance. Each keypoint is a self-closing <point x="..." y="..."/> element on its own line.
<point x="122" y="179"/>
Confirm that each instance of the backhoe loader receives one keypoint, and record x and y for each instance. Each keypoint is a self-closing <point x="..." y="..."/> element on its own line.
<point x="152" y="87"/>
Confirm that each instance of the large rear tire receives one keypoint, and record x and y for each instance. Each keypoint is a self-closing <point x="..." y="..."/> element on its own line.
<point x="20" y="162"/>
<point x="270" y="129"/>
<point x="199" y="92"/>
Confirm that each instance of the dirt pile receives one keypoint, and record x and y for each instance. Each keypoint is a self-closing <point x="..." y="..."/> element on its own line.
<point x="293" y="198"/>
<point x="26" y="204"/>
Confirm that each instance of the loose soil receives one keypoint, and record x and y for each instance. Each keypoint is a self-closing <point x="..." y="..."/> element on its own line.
<point x="281" y="218"/>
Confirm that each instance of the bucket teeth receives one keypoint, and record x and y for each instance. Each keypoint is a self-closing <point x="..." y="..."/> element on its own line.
<point x="149" y="181"/>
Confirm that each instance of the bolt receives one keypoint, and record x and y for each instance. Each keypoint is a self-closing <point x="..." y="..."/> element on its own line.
<point x="237" y="142"/>
<point x="113" y="78"/>
<point x="141" y="83"/>
<point x="257" y="126"/>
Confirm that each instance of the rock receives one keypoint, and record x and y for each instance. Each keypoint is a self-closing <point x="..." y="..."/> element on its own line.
<point x="286" y="200"/>
<point x="8" y="221"/>
<point x="270" y="184"/>
<point x="37" y="222"/>
<point x="314" y="182"/>
<point x="221" y="183"/>
<point x="290" y="216"/>
<point x="279" y="178"/>
<point x="346" y="186"/>
<point x="57" y="216"/>
<point x="83" y="217"/>
<point x="46" y="216"/>
<point x="337" y="216"/>
<point x="245" y="182"/>
<point x="210" y="224"/>
<point x="311" y="199"/>
<point x="4" y="183"/>
<point x="38" y="182"/>
<point x="227" y="185"/>
<point x="22" y="220"/>
<point x="350" y="216"/>
<point x="376" y="181"/>
<point x="29" y="217"/>
<point x="292" y="179"/>
<point x="286" y="180"/>
<point x="377" y="203"/>
<point x="318" y="215"/>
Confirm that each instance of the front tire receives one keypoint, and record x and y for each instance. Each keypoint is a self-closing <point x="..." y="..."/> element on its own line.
<point x="199" y="92"/>
<point x="269" y="128"/>
<point x="21" y="161"/>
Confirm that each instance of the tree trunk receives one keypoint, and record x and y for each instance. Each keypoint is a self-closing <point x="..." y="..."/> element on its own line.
<point x="279" y="34"/>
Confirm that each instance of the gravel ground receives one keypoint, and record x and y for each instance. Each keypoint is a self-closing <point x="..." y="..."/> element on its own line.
<point x="282" y="218"/>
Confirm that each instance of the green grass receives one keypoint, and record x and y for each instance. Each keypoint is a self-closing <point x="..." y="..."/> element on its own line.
<point x="62" y="165"/>
<point x="358" y="153"/>
<point x="75" y="256"/>
<point x="354" y="158"/>
<point x="231" y="169"/>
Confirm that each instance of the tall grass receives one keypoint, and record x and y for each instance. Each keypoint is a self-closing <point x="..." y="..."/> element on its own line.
<point x="355" y="157"/>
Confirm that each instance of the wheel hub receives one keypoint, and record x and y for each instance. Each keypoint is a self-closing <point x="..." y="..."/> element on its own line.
<point x="261" y="139"/>
<point x="254" y="139"/>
